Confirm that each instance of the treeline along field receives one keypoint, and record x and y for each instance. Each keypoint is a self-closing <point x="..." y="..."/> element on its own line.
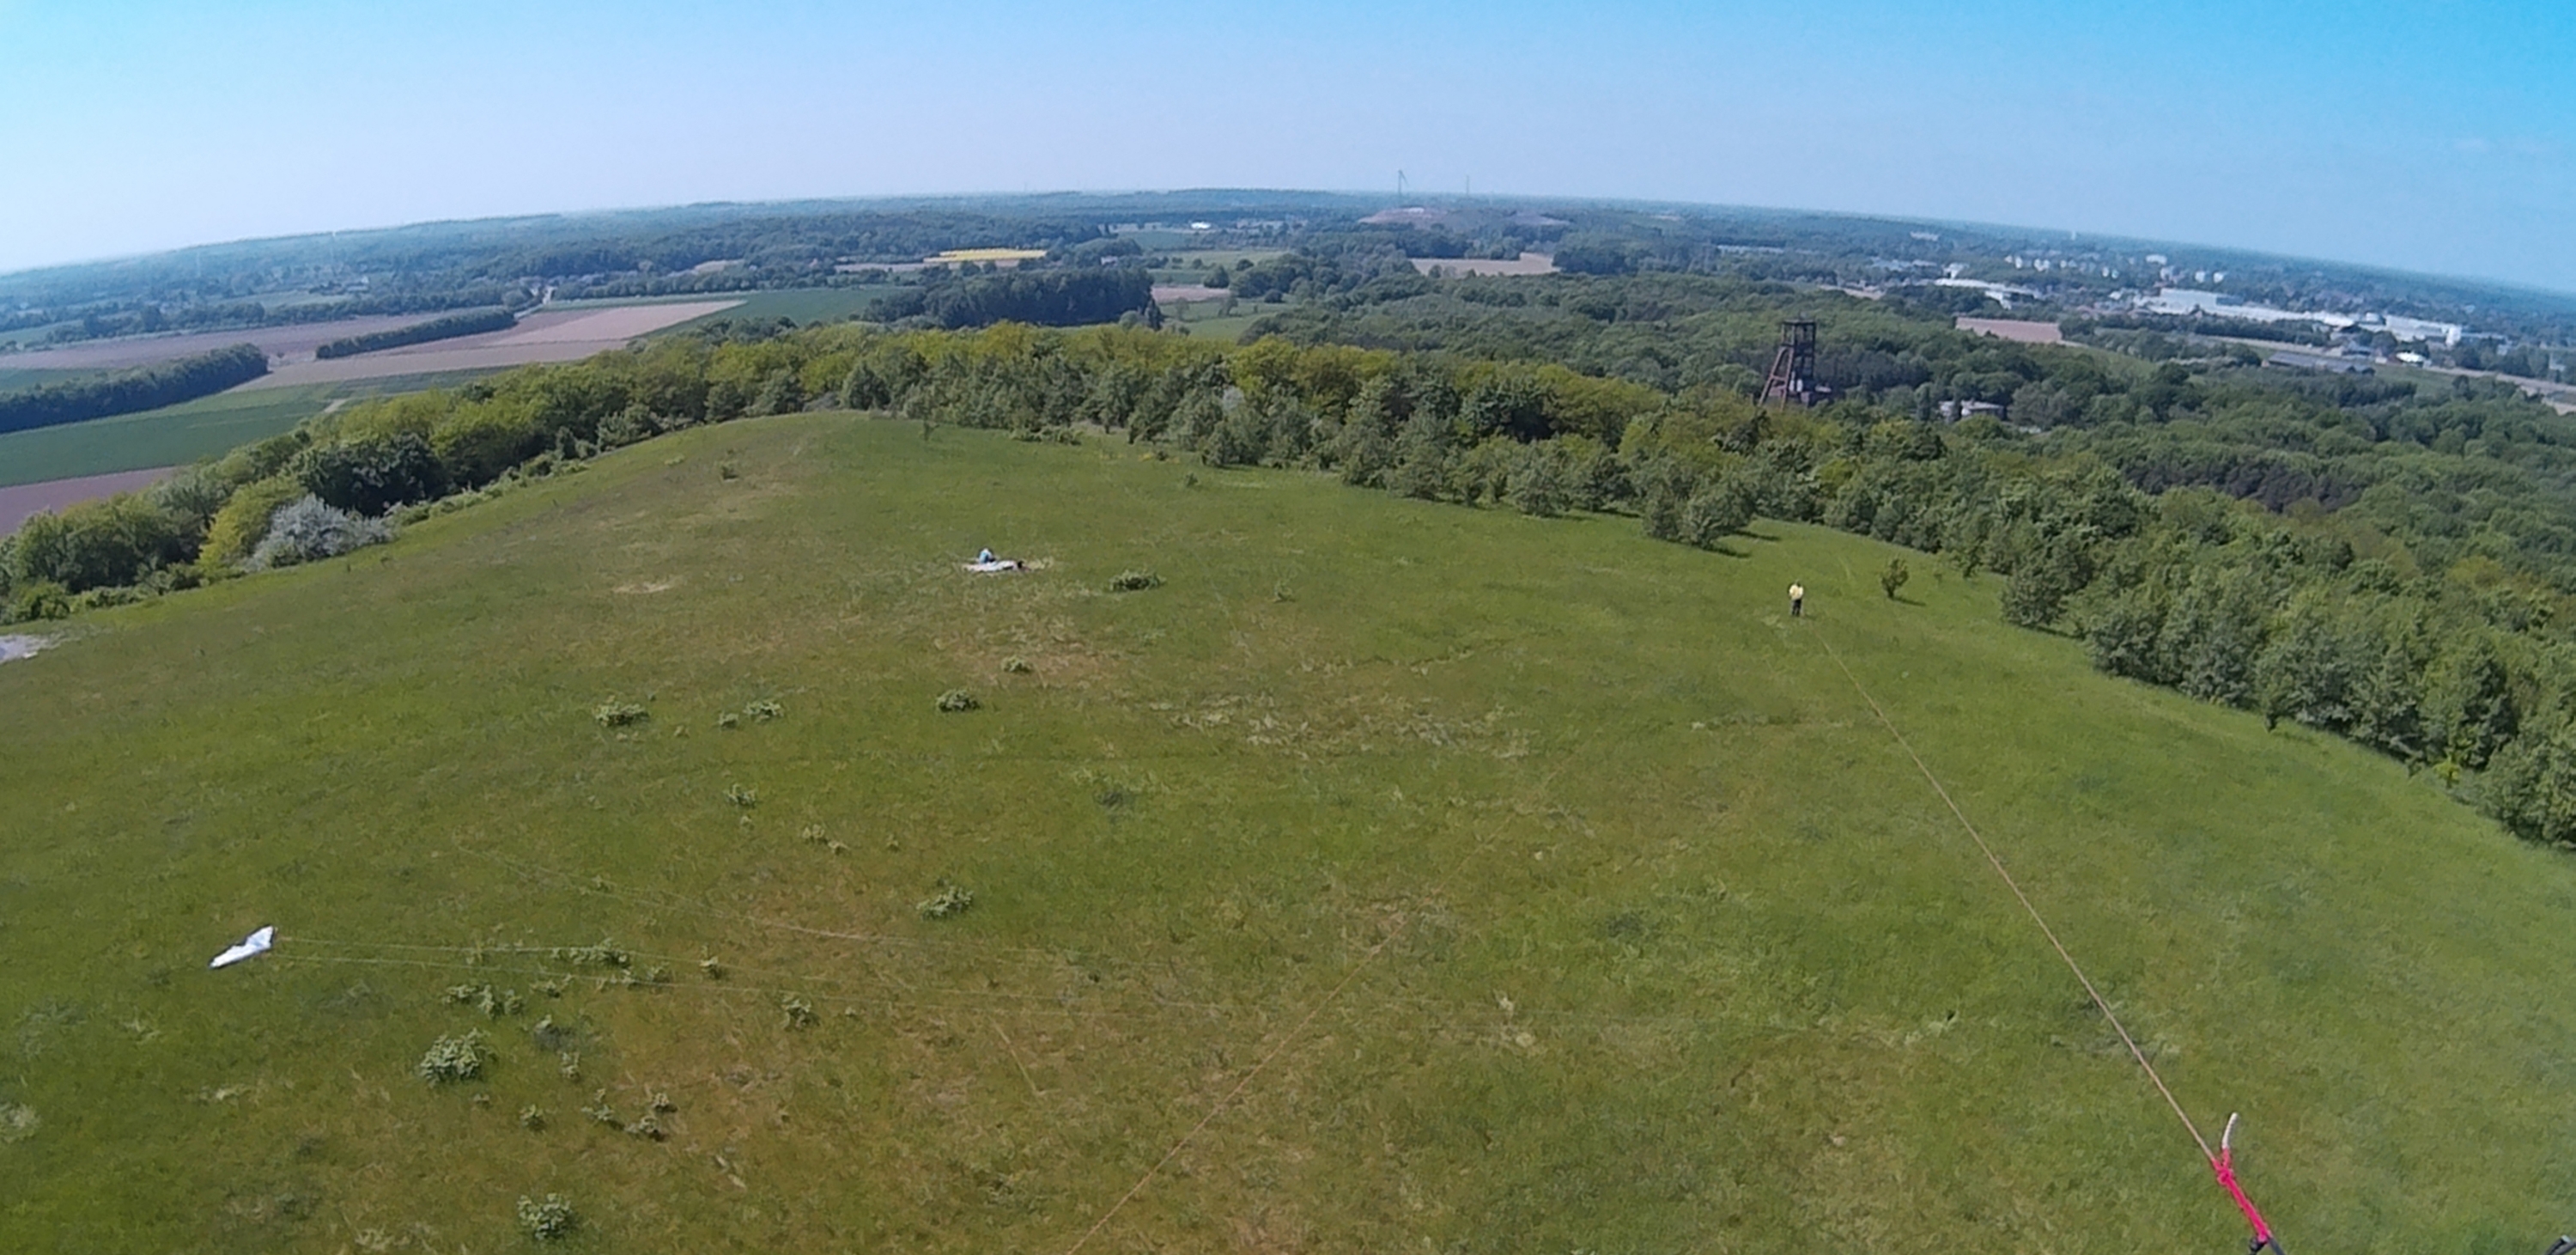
<point x="128" y="391"/>
<point x="2389" y="565"/>
<point x="448" y="328"/>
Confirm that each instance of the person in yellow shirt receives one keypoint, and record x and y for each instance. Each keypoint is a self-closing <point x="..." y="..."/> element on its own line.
<point x="1797" y="600"/>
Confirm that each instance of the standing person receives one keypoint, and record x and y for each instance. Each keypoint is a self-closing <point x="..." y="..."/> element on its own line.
<point x="1797" y="600"/>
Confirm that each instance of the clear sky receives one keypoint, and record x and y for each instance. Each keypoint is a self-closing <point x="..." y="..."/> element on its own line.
<point x="2434" y="135"/>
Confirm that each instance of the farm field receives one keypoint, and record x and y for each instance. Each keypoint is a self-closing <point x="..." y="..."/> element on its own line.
<point x="1202" y="319"/>
<point x="545" y="336"/>
<point x="13" y="378"/>
<point x="805" y="305"/>
<point x="1433" y="878"/>
<point x="294" y="341"/>
<point x="19" y="502"/>
<point x="1193" y="265"/>
<point x="1525" y="264"/>
<point x="179" y="434"/>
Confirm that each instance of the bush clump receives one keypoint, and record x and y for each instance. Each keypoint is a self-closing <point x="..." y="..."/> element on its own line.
<point x="306" y="530"/>
<point x="547" y="1219"/>
<point x="617" y="714"/>
<point x="1135" y="582"/>
<point x="951" y="900"/>
<point x="955" y="700"/>
<point x="454" y="1059"/>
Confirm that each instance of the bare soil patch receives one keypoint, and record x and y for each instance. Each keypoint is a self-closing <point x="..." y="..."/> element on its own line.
<point x="2017" y="330"/>
<point x="25" y="501"/>
<point x="1525" y="264"/>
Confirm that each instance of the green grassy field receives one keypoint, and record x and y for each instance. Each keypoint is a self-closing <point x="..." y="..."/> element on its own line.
<point x="806" y="305"/>
<point x="1192" y="265"/>
<point x="15" y="378"/>
<point x="178" y="434"/>
<point x="1202" y="319"/>
<point x="1495" y="884"/>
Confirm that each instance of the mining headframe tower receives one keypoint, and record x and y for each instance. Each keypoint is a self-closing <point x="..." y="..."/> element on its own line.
<point x="1793" y="366"/>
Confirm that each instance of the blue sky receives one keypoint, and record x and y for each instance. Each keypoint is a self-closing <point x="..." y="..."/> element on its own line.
<point x="2435" y="135"/>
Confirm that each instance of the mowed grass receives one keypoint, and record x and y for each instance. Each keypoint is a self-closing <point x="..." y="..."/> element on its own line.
<point x="1499" y="884"/>
<point x="178" y="434"/>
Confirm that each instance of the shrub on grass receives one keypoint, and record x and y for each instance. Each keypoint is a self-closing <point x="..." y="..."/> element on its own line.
<point x="617" y="714"/>
<point x="532" y="1118"/>
<point x="307" y="530"/>
<point x="1893" y="578"/>
<point x="604" y="954"/>
<point x="97" y="544"/>
<point x="453" y="1059"/>
<point x="741" y="797"/>
<point x="1135" y="582"/>
<point x="41" y="600"/>
<point x="1017" y="666"/>
<point x="548" y="1035"/>
<point x="949" y="902"/>
<point x="1715" y="512"/>
<point x="547" y="1219"/>
<point x="797" y="1012"/>
<point x="955" y="700"/>
<point x="764" y="710"/>
<point x="371" y="474"/>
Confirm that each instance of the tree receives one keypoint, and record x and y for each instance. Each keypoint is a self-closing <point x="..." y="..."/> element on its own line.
<point x="1894" y="577"/>
<point x="2037" y="590"/>
<point x="372" y="474"/>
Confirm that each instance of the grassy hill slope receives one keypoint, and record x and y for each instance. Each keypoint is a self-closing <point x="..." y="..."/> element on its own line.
<point x="1622" y="925"/>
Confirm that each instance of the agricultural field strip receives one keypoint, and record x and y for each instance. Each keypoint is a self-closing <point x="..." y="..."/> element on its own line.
<point x="19" y="502"/>
<point x="291" y="341"/>
<point x="561" y="336"/>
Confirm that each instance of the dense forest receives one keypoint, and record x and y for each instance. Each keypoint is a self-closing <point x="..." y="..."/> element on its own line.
<point x="125" y="391"/>
<point x="448" y="328"/>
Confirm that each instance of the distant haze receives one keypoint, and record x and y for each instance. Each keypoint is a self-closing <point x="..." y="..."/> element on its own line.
<point x="2432" y="135"/>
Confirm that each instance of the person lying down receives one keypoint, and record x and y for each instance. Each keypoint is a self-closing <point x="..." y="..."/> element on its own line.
<point x="985" y="562"/>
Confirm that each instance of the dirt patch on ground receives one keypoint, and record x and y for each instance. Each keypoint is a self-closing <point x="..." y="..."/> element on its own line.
<point x="564" y="335"/>
<point x="597" y="326"/>
<point x="24" y="501"/>
<point x="2017" y="330"/>
<point x="1525" y="264"/>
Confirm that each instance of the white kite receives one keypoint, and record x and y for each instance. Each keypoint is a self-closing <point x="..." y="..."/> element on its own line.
<point x="256" y="943"/>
